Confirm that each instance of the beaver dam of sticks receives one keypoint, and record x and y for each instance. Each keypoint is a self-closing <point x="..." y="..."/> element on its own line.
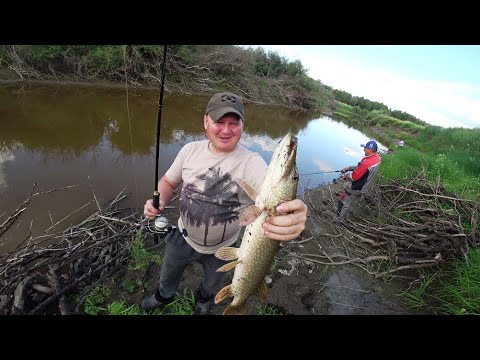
<point x="393" y="231"/>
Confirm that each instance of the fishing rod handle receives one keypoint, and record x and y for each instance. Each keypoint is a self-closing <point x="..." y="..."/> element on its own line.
<point x="156" y="199"/>
<point x="156" y="205"/>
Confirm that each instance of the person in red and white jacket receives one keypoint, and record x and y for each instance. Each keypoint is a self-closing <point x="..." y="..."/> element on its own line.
<point x="361" y="177"/>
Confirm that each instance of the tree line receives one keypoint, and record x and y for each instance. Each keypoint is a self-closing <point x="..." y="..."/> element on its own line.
<point x="260" y="76"/>
<point x="365" y="104"/>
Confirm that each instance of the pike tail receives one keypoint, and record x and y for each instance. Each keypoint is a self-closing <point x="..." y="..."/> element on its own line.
<point x="235" y="310"/>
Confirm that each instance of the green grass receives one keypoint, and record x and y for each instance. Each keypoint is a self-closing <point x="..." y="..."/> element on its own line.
<point x="460" y="290"/>
<point x="405" y="163"/>
<point x="120" y="308"/>
<point x="268" y="310"/>
<point x="458" y="149"/>
<point x="95" y="299"/>
<point x="405" y="124"/>
<point x="140" y="257"/>
<point x="409" y="162"/>
<point x="453" y="291"/>
<point x="183" y="304"/>
<point x="132" y="286"/>
<point x="344" y="109"/>
<point x="417" y="296"/>
<point x="394" y="134"/>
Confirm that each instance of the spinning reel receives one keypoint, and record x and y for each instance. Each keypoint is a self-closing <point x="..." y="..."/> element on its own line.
<point x="161" y="226"/>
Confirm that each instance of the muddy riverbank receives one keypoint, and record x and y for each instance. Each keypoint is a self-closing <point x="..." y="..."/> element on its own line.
<point x="298" y="286"/>
<point x="320" y="273"/>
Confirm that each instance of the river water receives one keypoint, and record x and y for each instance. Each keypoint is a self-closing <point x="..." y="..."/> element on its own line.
<point x="61" y="135"/>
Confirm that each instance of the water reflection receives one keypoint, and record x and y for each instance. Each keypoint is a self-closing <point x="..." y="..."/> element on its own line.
<point x="71" y="120"/>
<point x="322" y="166"/>
<point x="5" y="155"/>
<point x="353" y="153"/>
<point x="59" y="135"/>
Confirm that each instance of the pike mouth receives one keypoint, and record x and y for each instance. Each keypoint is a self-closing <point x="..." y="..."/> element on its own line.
<point x="292" y="154"/>
<point x="292" y="146"/>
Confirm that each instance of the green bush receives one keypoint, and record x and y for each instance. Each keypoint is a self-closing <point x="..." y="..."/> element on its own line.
<point x="186" y="52"/>
<point x="42" y="55"/>
<point x="271" y="64"/>
<point x="150" y="50"/>
<point x="106" y="58"/>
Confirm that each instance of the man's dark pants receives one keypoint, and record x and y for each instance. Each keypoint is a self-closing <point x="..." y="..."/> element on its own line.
<point x="178" y="254"/>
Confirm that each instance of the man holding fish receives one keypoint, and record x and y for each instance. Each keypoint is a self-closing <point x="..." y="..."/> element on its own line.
<point x="221" y="178"/>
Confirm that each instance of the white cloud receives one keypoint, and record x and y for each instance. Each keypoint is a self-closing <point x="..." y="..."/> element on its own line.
<point x="266" y="143"/>
<point x="4" y="157"/>
<point x="352" y="153"/>
<point x="447" y="104"/>
<point x="322" y="166"/>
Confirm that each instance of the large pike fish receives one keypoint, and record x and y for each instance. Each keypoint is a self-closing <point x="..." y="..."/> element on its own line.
<point x="253" y="260"/>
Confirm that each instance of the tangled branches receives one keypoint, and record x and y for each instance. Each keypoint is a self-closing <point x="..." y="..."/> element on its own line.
<point x="35" y="276"/>
<point x="399" y="226"/>
<point x="18" y="65"/>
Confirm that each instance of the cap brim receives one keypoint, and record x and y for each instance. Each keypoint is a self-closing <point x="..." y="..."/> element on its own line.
<point x="219" y="113"/>
<point x="362" y="145"/>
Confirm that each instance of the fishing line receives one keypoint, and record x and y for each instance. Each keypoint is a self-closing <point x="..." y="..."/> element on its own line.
<point x="323" y="172"/>
<point x="129" y="125"/>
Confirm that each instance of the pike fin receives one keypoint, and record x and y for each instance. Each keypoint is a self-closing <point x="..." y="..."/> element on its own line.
<point x="249" y="189"/>
<point x="224" y="293"/>
<point x="249" y="215"/>
<point x="262" y="291"/>
<point x="235" y="310"/>
<point x="227" y="253"/>
<point x="229" y="266"/>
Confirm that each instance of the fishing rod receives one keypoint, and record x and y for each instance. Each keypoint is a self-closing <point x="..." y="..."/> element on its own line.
<point x="160" y="222"/>
<point x="323" y="172"/>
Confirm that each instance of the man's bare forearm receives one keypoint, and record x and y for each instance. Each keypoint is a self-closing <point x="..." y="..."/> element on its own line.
<point x="166" y="188"/>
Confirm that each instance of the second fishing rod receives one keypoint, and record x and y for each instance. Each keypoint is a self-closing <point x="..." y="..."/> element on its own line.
<point x="323" y="172"/>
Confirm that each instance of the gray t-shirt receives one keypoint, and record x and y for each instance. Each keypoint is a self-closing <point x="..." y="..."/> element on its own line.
<point x="211" y="201"/>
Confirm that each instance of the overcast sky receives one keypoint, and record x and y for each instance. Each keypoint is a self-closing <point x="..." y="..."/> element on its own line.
<point x="439" y="84"/>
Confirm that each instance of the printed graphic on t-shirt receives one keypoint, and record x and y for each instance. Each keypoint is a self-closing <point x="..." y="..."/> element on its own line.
<point x="217" y="204"/>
